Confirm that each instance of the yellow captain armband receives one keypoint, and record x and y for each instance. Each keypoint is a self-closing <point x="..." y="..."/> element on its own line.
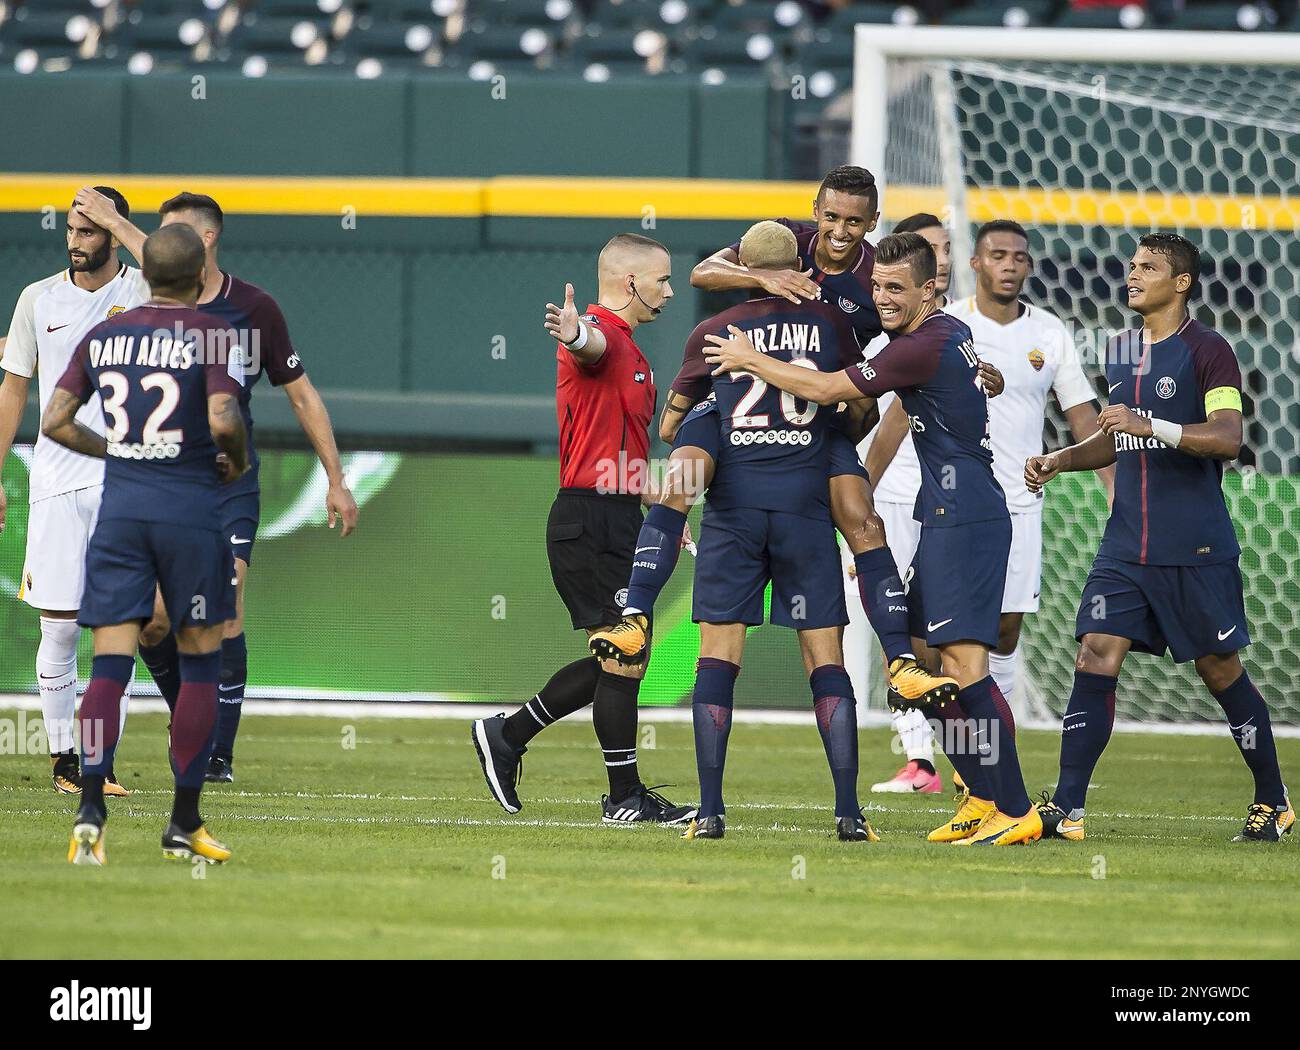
<point x="1222" y="397"/>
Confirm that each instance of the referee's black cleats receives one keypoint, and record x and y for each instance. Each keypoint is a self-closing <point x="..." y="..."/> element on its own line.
<point x="645" y="805"/>
<point x="855" y="829"/>
<point x="625" y="642"/>
<point x="503" y="765"/>
<point x="705" y="828"/>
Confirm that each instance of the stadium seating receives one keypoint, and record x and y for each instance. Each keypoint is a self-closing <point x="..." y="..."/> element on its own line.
<point x="627" y="37"/>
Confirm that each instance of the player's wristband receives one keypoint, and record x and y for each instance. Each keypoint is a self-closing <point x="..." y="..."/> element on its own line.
<point x="581" y="340"/>
<point x="1166" y="433"/>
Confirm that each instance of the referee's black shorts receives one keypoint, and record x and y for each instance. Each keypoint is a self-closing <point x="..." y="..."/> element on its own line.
<point x="590" y="542"/>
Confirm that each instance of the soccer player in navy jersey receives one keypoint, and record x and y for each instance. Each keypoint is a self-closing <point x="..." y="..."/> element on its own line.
<point x="169" y="379"/>
<point x="1166" y="573"/>
<point x="767" y="519"/>
<point x="254" y="314"/>
<point x="833" y="264"/>
<point x="956" y="580"/>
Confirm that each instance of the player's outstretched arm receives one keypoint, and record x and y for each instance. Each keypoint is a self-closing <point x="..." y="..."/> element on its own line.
<point x="60" y="424"/>
<point x="1219" y="437"/>
<point x="1096" y="452"/>
<point x="314" y="418"/>
<point x="228" y="431"/>
<point x="736" y="353"/>
<point x="885" y="445"/>
<point x="585" y="342"/>
<point x="103" y="213"/>
<point x="1083" y="424"/>
<point x="723" y="271"/>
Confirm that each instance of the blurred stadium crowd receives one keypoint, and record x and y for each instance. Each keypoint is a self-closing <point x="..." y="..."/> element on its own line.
<point x="595" y="39"/>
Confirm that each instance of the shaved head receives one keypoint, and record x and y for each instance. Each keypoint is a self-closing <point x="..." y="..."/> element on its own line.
<point x="768" y="245"/>
<point x="173" y="262"/>
<point x="634" y="272"/>
<point x="626" y="253"/>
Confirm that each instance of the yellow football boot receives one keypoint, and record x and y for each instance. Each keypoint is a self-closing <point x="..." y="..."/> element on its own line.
<point x="65" y="774"/>
<point x="182" y="845"/>
<point x="112" y="789"/>
<point x="1057" y="824"/>
<point x="1001" y="830"/>
<point x="625" y="642"/>
<point x="971" y="814"/>
<point x="911" y="685"/>
<point x="1266" y="823"/>
<point x="87" y="844"/>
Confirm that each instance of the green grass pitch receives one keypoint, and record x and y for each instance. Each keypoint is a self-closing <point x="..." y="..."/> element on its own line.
<point x="392" y="848"/>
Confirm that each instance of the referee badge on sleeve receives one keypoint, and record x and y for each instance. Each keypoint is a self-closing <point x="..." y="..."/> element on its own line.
<point x="638" y="377"/>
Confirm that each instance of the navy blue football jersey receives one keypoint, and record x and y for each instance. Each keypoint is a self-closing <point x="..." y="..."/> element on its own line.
<point x="774" y="455"/>
<point x="154" y="368"/>
<point x="1169" y="507"/>
<point x="257" y="319"/>
<point x="850" y="291"/>
<point x="934" y="370"/>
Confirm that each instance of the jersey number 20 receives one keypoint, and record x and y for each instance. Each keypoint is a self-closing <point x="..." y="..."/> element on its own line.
<point x="740" y="415"/>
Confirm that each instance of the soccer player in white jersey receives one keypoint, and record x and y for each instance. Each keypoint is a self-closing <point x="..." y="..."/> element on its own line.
<point x="51" y="318"/>
<point x="1036" y="354"/>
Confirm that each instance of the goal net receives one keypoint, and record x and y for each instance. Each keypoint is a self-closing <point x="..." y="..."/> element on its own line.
<point x="1091" y="139"/>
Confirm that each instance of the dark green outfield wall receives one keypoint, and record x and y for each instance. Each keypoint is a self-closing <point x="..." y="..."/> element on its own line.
<point x="398" y="318"/>
<point x="426" y="126"/>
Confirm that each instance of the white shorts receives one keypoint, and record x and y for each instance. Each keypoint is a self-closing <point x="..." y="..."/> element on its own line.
<point x="1025" y="563"/>
<point x="902" y="532"/>
<point x="58" y="532"/>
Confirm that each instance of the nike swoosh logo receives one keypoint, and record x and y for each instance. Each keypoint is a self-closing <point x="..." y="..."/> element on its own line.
<point x="236" y="539"/>
<point x="51" y="677"/>
<point x="640" y="549"/>
<point x="935" y="626"/>
<point x="1114" y="385"/>
<point x="55" y="328"/>
<point x="229" y="688"/>
<point x="1224" y="634"/>
<point x="894" y="594"/>
<point x="1243" y="724"/>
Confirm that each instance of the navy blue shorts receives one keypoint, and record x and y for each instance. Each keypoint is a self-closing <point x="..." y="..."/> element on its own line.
<point x="1191" y="610"/>
<point x="844" y="455"/>
<point x="955" y="583"/>
<point x="702" y="428"/>
<point x="240" y="514"/>
<point x="127" y="559"/>
<point x="742" y="549"/>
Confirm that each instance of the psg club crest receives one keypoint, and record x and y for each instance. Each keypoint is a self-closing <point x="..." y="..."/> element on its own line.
<point x="1165" y="387"/>
<point x="620" y="598"/>
<point x="848" y="305"/>
<point x="1037" y="359"/>
<point x="114" y="310"/>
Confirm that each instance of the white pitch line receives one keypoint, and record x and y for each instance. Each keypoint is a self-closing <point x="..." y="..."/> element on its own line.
<point x="433" y="706"/>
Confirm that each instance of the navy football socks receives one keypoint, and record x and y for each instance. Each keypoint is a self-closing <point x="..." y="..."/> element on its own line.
<point x="98" y="724"/>
<point x="164" y="664"/>
<point x="1252" y="729"/>
<point x="884" y="600"/>
<point x="570" y="689"/>
<point x="230" y="695"/>
<point x="995" y="737"/>
<point x="657" y="546"/>
<point x="837" y="721"/>
<point x="715" y="686"/>
<point x="194" y="718"/>
<point x="1085" y="731"/>
<point x="955" y="738"/>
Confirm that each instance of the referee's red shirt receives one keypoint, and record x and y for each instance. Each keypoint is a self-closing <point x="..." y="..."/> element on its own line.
<point x="604" y="411"/>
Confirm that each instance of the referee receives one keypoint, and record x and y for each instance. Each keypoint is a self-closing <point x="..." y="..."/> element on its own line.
<point x="604" y="402"/>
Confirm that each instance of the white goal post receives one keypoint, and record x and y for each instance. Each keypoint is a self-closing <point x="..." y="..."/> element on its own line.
<point x="1091" y="138"/>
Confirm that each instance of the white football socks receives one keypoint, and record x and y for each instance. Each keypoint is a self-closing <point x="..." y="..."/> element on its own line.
<point x="56" y="675"/>
<point x="914" y="731"/>
<point x="1006" y="672"/>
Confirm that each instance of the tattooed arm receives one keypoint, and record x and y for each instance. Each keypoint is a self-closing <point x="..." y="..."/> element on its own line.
<point x="60" y="424"/>
<point x="228" y="432"/>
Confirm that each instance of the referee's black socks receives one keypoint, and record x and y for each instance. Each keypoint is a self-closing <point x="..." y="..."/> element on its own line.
<point x="615" y="717"/>
<point x="570" y="689"/>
